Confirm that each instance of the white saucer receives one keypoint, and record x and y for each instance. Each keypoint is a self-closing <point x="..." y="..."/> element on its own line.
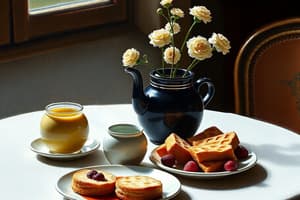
<point x="39" y="147"/>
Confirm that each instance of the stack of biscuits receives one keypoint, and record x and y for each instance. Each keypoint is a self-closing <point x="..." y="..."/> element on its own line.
<point x="210" y="148"/>
<point x="125" y="188"/>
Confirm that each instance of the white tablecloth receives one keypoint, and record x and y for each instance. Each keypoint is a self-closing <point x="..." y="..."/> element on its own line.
<point x="24" y="175"/>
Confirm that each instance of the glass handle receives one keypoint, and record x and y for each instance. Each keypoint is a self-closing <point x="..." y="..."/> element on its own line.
<point x="210" y="89"/>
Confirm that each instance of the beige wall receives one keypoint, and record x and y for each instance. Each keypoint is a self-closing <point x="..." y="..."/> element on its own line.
<point x="87" y="73"/>
<point x="145" y="17"/>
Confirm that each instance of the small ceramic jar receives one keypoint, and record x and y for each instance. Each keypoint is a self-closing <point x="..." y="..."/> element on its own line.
<point x="124" y="144"/>
<point x="64" y="128"/>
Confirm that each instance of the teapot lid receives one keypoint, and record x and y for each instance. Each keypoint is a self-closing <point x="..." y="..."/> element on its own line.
<point x="124" y="130"/>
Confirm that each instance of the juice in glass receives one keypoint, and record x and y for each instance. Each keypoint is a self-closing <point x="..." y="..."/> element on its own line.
<point x="64" y="127"/>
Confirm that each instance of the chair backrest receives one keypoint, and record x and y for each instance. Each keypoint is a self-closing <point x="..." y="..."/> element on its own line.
<point x="267" y="75"/>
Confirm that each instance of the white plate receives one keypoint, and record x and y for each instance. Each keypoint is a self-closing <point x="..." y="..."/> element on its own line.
<point x="171" y="185"/>
<point x="39" y="147"/>
<point x="244" y="165"/>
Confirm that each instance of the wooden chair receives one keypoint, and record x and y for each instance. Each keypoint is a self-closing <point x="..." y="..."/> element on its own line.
<point x="267" y="75"/>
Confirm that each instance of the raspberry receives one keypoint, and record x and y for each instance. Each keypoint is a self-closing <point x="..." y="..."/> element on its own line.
<point x="99" y="177"/>
<point x="91" y="173"/>
<point x="168" y="160"/>
<point x="191" y="166"/>
<point x="241" y="152"/>
<point x="231" y="165"/>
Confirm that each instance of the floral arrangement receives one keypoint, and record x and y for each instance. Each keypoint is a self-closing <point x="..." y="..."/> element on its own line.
<point x="198" y="48"/>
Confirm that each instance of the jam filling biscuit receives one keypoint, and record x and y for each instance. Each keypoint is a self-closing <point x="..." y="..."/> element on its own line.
<point x="84" y="183"/>
<point x="138" y="188"/>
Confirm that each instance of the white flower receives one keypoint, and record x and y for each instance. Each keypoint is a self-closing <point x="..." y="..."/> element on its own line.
<point x="172" y="55"/>
<point x="160" y="37"/>
<point x="165" y="2"/>
<point x="130" y="57"/>
<point x="199" y="48"/>
<point x="201" y="13"/>
<point x="220" y="43"/>
<point x="176" y="27"/>
<point x="177" y="12"/>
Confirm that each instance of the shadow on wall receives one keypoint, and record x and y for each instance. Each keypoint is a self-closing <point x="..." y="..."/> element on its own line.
<point x="87" y="73"/>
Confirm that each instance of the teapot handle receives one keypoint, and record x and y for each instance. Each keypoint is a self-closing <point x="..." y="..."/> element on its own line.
<point x="210" y="89"/>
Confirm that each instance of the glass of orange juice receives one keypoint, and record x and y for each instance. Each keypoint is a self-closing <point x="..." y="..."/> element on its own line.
<point x="64" y="127"/>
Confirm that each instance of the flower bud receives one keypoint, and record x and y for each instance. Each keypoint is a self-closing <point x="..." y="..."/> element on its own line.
<point x="159" y="11"/>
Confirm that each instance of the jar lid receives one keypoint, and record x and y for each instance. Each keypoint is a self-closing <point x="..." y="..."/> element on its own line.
<point x="124" y="130"/>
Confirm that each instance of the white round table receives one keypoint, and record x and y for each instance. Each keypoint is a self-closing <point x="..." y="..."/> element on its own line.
<point x="24" y="175"/>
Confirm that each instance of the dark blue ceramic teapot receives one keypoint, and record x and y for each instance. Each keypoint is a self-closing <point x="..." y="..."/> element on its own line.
<point x="169" y="105"/>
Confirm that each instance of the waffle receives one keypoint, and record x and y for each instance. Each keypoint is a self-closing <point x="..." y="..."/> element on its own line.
<point x="209" y="132"/>
<point x="85" y="186"/>
<point x="212" y="152"/>
<point x="178" y="147"/>
<point x="210" y="148"/>
<point x="138" y="188"/>
<point x="224" y="139"/>
<point x="212" y="166"/>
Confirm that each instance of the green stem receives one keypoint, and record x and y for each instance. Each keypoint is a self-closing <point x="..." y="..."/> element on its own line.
<point x="162" y="14"/>
<point x="171" y="23"/>
<point x="191" y="66"/>
<point x="187" y="35"/>
<point x="162" y="60"/>
<point x="173" y="73"/>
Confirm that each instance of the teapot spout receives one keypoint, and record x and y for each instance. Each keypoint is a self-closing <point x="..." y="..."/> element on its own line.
<point x="139" y="100"/>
